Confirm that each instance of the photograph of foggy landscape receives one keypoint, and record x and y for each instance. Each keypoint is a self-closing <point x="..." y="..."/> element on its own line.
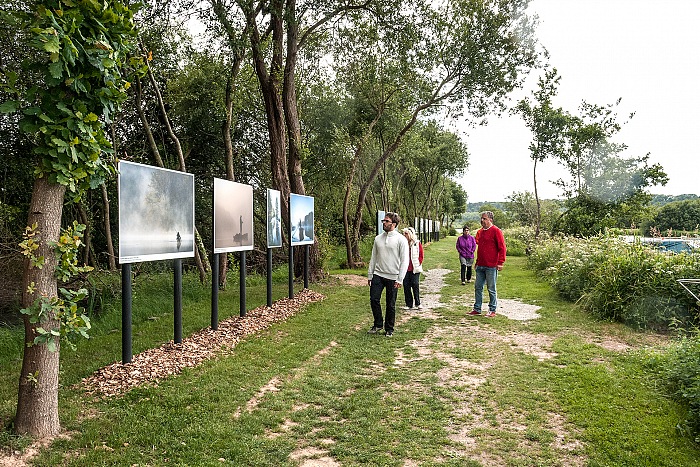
<point x="233" y="216"/>
<point x="156" y="213"/>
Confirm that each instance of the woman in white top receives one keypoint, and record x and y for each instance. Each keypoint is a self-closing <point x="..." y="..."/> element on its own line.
<point x="411" y="283"/>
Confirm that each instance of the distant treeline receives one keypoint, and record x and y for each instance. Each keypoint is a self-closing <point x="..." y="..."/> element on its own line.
<point x="660" y="200"/>
<point x="657" y="200"/>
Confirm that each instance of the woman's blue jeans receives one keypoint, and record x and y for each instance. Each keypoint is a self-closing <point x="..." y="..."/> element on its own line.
<point x="489" y="277"/>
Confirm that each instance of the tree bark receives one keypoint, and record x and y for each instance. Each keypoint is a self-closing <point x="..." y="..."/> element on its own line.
<point x="37" y="403"/>
<point x="108" y="229"/>
<point x="88" y="254"/>
<point x="271" y="89"/>
<point x="200" y="257"/>
<point x="146" y="126"/>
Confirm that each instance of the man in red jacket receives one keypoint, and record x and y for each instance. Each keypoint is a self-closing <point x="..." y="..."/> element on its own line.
<point x="490" y="256"/>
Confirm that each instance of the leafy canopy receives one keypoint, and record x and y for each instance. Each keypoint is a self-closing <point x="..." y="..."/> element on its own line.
<point x="81" y="47"/>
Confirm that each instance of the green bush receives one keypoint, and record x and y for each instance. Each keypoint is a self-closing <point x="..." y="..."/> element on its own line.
<point x="518" y="240"/>
<point x="638" y="285"/>
<point x="544" y="255"/>
<point x="679" y="370"/>
<point x="625" y="282"/>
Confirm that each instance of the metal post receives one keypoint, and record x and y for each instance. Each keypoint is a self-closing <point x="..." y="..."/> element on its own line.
<point x="177" y="322"/>
<point x="306" y="266"/>
<point x="269" y="277"/>
<point x="242" y="286"/>
<point x="215" y="292"/>
<point x="126" y="313"/>
<point x="291" y="271"/>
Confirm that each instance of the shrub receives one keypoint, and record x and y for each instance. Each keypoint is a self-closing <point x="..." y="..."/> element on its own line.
<point x="573" y="275"/>
<point x="638" y="286"/>
<point x="630" y="283"/>
<point x="679" y="370"/>
<point x="520" y="239"/>
<point x="544" y="255"/>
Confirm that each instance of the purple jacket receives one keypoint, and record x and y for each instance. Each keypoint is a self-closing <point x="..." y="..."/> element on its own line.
<point x="466" y="246"/>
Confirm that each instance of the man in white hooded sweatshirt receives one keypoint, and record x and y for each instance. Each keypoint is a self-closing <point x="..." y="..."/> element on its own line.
<point x="387" y="269"/>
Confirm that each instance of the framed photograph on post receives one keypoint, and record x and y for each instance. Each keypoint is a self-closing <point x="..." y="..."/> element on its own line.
<point x="274" y="219"/>
<point x="156" y="213"/>
<point x="380" y="226"/>
<point x="301" y="219"/>
<point x="233" y="216"/>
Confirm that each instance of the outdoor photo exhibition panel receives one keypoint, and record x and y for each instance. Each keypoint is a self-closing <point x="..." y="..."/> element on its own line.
<point x="274" y="219"/>
<point x="233" y="216"/>
<point x="233" y="231"/>
<point x="301" y="232"/>
<point x="301" y="219"/>
<point x="380" y="226"/>
<point x="156" y="213"/>
<point x="156" y="222"/>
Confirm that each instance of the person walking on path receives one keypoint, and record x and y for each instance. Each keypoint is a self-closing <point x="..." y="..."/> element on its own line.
<point x="466" y="246"/>
<point x="490" y="256"/>
<point x="411" y="283"/>
<point x="387" y="269"/>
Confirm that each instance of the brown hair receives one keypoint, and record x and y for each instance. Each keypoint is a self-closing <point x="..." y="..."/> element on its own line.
<point x="395" y="219"/>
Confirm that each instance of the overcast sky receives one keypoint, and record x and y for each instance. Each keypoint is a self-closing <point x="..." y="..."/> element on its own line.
<point x="646" y="52"/>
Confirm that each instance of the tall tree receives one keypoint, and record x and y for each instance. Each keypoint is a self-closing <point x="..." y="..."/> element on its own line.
<point x="548" y="126"/>
<point x="460" y="55"/>
<point x="80" y="49"/>
<point x="278" y="30"/>
<point x="605" y="189"/>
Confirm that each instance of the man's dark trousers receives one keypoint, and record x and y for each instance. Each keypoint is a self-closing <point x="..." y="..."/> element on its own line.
<point x="375" y="295"/>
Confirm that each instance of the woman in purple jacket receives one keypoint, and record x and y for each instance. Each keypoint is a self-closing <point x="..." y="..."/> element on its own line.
<point x="466" y="246"/>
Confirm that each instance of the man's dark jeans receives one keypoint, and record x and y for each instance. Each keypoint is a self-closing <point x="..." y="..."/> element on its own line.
<point x="375" y="295"/>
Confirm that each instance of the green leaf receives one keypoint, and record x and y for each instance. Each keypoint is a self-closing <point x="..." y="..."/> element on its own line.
<point x="8" y="107"/>
<point x="58" y="142"/>
<point x="52" y="45"/>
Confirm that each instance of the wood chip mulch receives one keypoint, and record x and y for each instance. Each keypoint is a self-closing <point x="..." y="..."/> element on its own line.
<point x="170" y="358"/>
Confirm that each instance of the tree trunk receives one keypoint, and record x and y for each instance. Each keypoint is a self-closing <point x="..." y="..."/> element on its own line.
<point x="228" y="148"/>
<point x="37" y="404"/>
<point x="87" y="236"/>
<point x="108" y="229"/>
<point x="537" y="200"/>
<point x="271" y="89"/>
<point x="146" y="126"/>
<point x="200" y="257"/>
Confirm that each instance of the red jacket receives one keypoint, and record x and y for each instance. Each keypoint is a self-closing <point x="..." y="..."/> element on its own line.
<point x="491" y="247"/>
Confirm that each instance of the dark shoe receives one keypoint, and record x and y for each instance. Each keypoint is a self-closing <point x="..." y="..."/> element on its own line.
<point x="374" y="330"/>
<point x="389" y="334"/>
<point x="475" y="313"/>
<point x="463" y="282"/>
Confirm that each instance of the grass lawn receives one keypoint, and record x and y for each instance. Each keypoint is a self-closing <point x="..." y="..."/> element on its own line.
<point x="447" y="390"/>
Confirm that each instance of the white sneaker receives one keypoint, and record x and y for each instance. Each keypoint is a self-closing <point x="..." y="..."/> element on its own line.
<point x="420" y="307"/>
<point x="405" y="307"/>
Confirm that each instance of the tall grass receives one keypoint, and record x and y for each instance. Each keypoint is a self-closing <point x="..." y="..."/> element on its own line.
<point x="627" y="282"/>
